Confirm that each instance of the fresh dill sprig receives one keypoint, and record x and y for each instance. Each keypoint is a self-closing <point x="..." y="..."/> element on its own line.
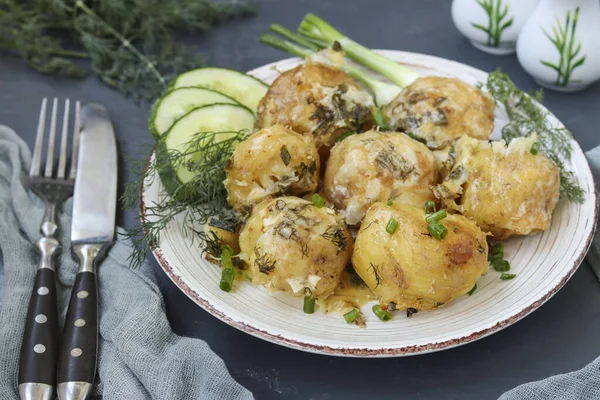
<point x="132" y="45"/>
<point x="196" y="201"/>
<point x="526" y="117"/>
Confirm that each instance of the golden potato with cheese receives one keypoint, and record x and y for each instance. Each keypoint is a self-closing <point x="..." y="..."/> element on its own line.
<point x="437" y="110"/>
<point x="273" y="160"/>
<point x="409" y="268"/>
<point x="317" y="100"/>
<point x="292" y="245"/>
<point x="506" y="190"/>
<point x="378" y="166"/>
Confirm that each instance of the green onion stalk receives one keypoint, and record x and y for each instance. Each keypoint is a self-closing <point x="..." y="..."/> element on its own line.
<point x="383" y="92"/>
<point x="316" y="28"/>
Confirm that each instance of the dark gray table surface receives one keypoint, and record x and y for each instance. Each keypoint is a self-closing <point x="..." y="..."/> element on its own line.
<point x="561" y="336"/>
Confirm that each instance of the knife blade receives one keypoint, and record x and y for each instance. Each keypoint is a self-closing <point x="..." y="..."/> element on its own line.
<point x="92" y="232"/>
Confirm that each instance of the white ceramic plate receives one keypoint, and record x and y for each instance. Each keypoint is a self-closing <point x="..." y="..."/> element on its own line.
<point x="543" y="264"/>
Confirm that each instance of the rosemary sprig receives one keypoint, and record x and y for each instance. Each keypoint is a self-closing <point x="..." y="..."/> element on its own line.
<point x="131" y="44"/>
<point x="198" y="200"/>
<point x="526" y="117"/>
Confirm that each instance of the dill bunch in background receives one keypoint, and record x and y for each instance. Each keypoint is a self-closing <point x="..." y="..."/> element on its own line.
<point x="131" y="44"/>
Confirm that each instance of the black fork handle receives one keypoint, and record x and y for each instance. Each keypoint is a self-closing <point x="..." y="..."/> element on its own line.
<point x="39" y="348"/>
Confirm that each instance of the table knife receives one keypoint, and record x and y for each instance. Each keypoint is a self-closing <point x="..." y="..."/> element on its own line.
<point x="92" y="232"/>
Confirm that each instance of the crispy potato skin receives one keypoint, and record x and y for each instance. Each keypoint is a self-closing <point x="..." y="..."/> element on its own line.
<point x="289" y="244"/>
<point x="317" y="100"/>
<point x="506" y="190"/>
<point x="272" y="160"/>
<point x="410" y="267"/>
<point x="378" y="166"/>
<point x="438" y="110"/>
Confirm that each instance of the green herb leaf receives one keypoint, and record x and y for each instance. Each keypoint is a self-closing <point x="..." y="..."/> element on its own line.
<point x="507" y="277"/>
<point x="309" y="304"/>
<point x="501" y="265"/>
<point x="351" y="316"/>
<point x="470" y="292"/>
<point x="317" y="200"/>
<point x="410" y="311"/>
<point x="382" y="315"/>
<point x="285" y="155"/>
<point x="392" y="225"/>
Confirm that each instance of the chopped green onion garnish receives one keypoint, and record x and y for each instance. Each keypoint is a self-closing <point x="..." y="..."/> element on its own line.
<point x="318" y="200"/>
<point x="345" y="135"/>
<point x="309" y="304"/>
<point x="501" y="265"/>
<point x="496" y="252"/>
<point x="390" y="202"/>
<point x="535" y="148"/>
<point x="379" y="118"/>
<point x="429" y="205"/>
<point x="436" y="216"/>
<point x="498" y="249"/>
<point x="507" y="277"/>
<point x="226" y="279"/>
<point x="391" y="227"/>
<point x="382" y="315"/>
<point x="351" y="316"/>
<point x="470" y="292"/>
<point x="437" y="230"/>
<point x="228" y="272"/>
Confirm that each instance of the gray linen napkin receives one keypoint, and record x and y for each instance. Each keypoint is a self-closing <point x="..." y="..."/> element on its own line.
<point x="140" y="357"/>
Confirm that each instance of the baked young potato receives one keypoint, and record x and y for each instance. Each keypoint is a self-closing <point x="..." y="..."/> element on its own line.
<point x="506" y="190"/>
<point x="410" y="268"/>
<point x="378" y="166"/>
<point x="292" y="245"/>
<point x="437" y="110"/>
<point x="273" y="160"/>
<point x="317" y="100"/>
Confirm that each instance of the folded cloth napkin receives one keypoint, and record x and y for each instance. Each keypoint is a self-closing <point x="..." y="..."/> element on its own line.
<point x="139" y="356"/>
<point x="583" y="384"/>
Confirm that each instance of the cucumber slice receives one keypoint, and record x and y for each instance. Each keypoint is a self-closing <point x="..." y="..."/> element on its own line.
<point x="211" y="118"/>
<point x="177" y="102"/>
<point x="245" y="89"/>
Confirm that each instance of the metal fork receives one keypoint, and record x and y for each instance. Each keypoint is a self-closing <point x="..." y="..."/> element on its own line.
<point x="37" y="364"/>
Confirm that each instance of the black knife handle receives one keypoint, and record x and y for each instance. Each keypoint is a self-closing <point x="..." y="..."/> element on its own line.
<point x="79" y="350"/>
<point x="39" y="347"/>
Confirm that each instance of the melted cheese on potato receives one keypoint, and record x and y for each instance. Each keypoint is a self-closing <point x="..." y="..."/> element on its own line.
<point x="273" y="160"/>
<point x="437" y="110"/>
<point x="317" y="100"/>
<point x="412" y="269"/>
<point x="506" y="190"/>
<point x="378" y="166"/>
<point x="292" y="245"/>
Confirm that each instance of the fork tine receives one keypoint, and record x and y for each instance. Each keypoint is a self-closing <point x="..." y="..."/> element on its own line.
<point x="62" y="161"/>
<point x="39" y="141"/>
<point x="51" y="138"/>
<point x="74" y="156"/>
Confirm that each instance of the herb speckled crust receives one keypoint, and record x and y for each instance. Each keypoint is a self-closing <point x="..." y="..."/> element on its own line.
<point x="274" y="160"/>
<point x="413" y="269"/>
<point x="437" y="110"/>
<point x="378" y="166"/>
<point x="506" y="190"/>
<point x="316" y="100"/>
<point x="291" y="245"/>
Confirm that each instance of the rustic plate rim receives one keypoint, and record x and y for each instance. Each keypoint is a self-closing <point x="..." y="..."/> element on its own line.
<point x="370" y="352"/>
